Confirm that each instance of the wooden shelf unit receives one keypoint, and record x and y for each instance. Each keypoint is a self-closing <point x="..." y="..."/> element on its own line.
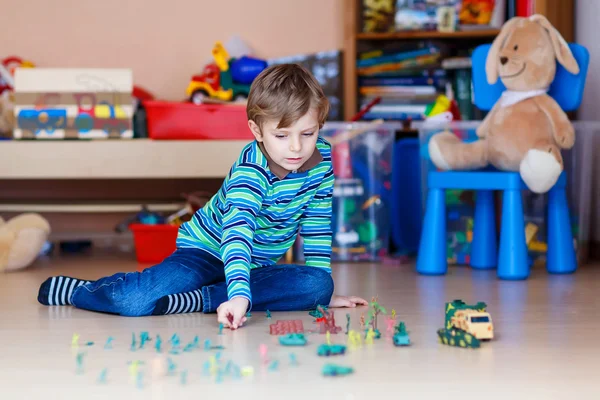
<point x="559" y="12"/>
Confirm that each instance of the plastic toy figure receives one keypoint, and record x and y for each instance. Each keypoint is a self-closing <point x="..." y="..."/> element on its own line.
<point x="79" y="361"/>
<point x="331" y="349"/>
<point x="144" y="337"/>
<point x="75" y="340"/>
<point x="268" y="314"/>
<point x="327" y="322"/>
<point x="262" y="349"/>
<point x="102" y="376"/>
<point x="390" y="325"/>
<point x="401" y="337"/>
<point x="354" y="339"/>
<point x="158" y="343"/>
<point x="336" y="370"/>
<point x="108" y="344"/>
<point x="347" y="323"/>
<point x="293" y="339"/>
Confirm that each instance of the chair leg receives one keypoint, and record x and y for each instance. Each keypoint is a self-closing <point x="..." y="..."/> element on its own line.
<point x="512" y="259"/>
<point x="431" y="259"/>
<point x="561" y="251"/>
<point x="484" y="253"/>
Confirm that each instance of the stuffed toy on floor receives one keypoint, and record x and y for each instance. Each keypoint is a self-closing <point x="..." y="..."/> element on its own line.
<point x="21" y="240"/>
<point x="526" y="129"/>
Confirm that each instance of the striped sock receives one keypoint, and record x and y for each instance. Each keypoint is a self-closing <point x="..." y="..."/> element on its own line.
<point x="57" y="290"/>
<point x="179" y="303"/>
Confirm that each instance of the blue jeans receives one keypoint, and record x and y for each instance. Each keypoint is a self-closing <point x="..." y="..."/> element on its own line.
<point x="134" y="294"/>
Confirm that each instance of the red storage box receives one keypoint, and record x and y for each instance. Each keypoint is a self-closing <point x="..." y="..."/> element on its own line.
<point x="187" y="121"/>
<point x="153" y="243"/>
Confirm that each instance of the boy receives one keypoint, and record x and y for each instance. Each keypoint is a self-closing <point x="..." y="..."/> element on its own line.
<point x="226" y="254"/>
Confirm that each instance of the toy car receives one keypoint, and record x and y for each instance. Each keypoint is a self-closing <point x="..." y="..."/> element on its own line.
<point x="293" y="339"/>
<point x="331" y="349"/>
<point x="335" y="370"/>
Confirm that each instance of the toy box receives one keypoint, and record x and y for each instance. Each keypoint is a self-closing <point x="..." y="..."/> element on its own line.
<point x="363" y="171"/>
<point x="187" y="121"/>
<point x="57" y="103"/>
<point x="461" y="203"/>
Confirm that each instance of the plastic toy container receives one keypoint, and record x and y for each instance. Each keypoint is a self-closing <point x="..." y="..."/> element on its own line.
<point x="153" y="243"/>
<point x="188" y="121"/>
<point x="460" y="206"/>
<point x="362" y="192"/>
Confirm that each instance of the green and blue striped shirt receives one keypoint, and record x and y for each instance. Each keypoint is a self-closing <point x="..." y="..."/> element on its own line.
<point x="255" y="217"/>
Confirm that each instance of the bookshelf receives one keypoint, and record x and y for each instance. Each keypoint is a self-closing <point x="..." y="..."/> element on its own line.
<point x="559" y="12"/>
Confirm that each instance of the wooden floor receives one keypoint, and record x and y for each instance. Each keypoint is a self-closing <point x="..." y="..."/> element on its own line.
<point x="547" y="342"/>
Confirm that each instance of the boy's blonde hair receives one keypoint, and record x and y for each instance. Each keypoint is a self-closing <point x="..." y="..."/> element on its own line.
<point x="285" y="93"/>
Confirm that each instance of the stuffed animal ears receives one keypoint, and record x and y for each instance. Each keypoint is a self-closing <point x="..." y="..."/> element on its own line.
<point x="491" y="62"/>
<point x="561" y="48"/>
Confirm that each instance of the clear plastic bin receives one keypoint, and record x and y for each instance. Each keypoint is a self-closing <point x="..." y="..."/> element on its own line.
<point x="362" y="191"/>
<point x="460" y="204"/>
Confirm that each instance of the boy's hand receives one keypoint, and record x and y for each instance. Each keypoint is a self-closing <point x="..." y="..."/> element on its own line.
<point x="232" y="313"/>
<point x="344" y="301"/>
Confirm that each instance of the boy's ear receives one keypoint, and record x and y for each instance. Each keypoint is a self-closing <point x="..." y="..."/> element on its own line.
<point x="255" y="130"/>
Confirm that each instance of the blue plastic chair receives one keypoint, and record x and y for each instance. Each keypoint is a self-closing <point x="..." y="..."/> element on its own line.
<point x="511" y="260"/>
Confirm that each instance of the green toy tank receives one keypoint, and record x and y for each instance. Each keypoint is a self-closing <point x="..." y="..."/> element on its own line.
<point x="458" y="338"/>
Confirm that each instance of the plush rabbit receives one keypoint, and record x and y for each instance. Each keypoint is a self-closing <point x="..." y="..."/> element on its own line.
<point x="526" y="129"/>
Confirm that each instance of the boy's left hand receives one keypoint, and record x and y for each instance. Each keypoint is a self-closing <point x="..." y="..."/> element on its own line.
<point x="345" y="301"/>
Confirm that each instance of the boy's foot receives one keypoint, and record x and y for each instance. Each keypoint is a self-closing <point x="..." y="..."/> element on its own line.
<point x="179" y="303"/>
<point x="57" y="290"/>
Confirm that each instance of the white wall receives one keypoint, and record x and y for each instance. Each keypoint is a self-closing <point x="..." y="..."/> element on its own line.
<point x="587" y="18"/>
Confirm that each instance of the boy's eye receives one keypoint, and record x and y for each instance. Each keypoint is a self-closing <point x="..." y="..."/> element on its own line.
<point x="308" y="133"/>
<point x="279" y="135"/>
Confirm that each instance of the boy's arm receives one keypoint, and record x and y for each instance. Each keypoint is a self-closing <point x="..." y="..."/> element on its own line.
<point x="245" y="191"/>
<point x="316" y="225"/>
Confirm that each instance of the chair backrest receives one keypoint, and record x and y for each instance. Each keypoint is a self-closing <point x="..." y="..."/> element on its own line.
<point x="566" y="89"/>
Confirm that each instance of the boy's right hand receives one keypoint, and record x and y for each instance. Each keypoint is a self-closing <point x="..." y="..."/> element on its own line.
<point x="232" y="313"/>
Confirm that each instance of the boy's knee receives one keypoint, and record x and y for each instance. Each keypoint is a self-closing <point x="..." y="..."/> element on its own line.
<point x="319" y="286"/>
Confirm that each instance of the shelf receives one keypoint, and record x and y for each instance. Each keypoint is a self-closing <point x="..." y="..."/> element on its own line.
<point x="91" y="208"/>
<point x="117" y="159"/>
<point x="428" y="35"/>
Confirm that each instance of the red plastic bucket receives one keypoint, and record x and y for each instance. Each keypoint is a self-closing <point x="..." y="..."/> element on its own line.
<point x="153" y="243"/>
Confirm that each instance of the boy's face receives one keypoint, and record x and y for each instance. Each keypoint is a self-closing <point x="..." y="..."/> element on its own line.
<point x="292" y="146"/>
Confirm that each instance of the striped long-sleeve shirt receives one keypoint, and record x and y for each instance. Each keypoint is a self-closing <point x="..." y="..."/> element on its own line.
<point x="258" y="212"/>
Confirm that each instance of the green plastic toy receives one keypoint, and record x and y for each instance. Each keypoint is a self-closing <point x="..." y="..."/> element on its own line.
<point x="336" y="370"/>
<point x="458" y="338"/>
<point x="331" y="349"/>
<point x="401" y="337"/>
<point x="293" y="339"/>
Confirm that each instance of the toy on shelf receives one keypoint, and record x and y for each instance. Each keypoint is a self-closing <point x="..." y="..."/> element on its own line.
<point x="286" y="327"/>
<point x="293" y="339"/>
<point x="226" y="79"/>
<point x="331" y="349"/>
<point x="401" y="337"/>
<point x="466" y="325"/>
<point x="67" y="103"/>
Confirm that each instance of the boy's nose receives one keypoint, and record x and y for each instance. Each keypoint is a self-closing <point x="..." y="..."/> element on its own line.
<point x="295" y="145"/>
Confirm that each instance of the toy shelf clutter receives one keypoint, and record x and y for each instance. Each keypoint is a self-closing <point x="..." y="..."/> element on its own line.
<point x="361" y="198"/>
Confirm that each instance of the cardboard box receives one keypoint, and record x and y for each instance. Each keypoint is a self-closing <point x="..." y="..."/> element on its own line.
<point x="69" y="103"/>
